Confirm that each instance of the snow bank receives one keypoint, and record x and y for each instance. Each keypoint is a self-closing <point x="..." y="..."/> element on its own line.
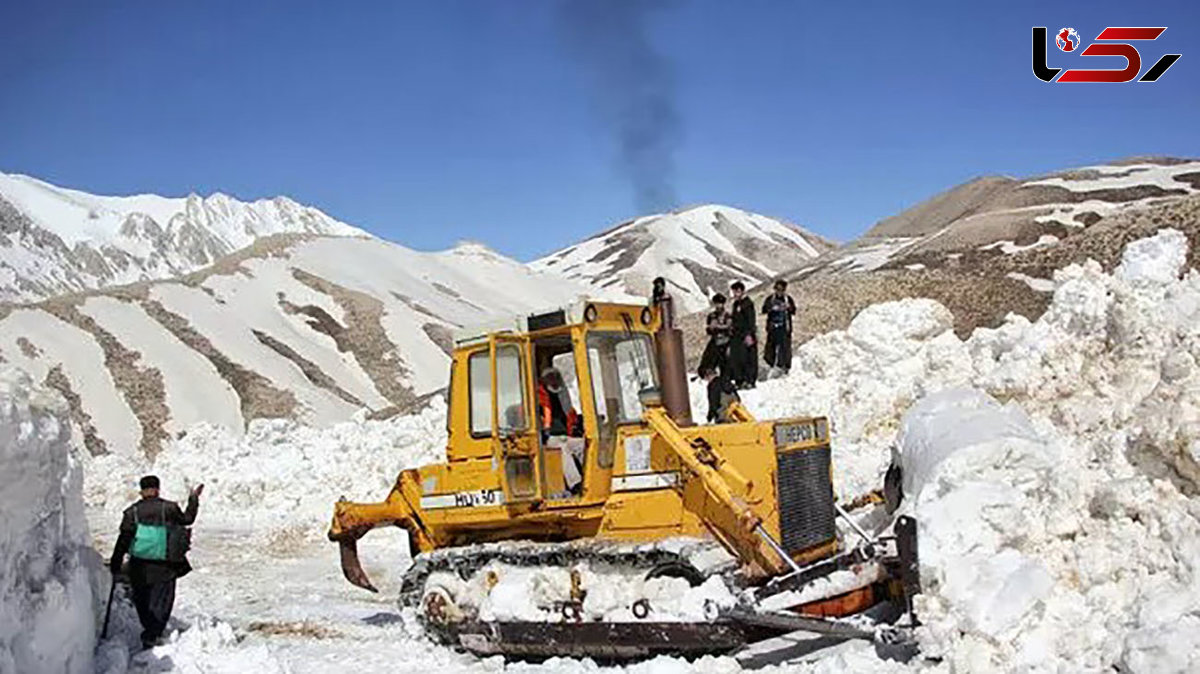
<point x="281" y="478"/>
<point x="864" y="378"/>
<point x="976" y="477"/>
<point x="210" y="647"/>
<point x="1059" y="524"/>
<point x="1031" y="559"/>
<point x="47" y="618"/>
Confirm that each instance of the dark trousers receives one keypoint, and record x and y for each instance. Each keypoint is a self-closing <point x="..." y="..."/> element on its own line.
<point x="743" y="362"/>
<point x="715" y="356"/>
<point x="779" y="348"/>
<point x="153" y="602"/>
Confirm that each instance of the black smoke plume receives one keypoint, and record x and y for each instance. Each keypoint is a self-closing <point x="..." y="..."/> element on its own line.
<point x="634" y="86"/>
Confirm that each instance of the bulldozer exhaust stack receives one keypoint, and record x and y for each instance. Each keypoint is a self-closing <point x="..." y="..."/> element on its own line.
<point x="672" y="366"/>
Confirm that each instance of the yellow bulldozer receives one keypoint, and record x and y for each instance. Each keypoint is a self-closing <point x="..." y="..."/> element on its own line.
<point x="631" y="484"/>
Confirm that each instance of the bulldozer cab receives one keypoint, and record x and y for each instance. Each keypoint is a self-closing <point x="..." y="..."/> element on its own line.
<point x="556" y="446"/>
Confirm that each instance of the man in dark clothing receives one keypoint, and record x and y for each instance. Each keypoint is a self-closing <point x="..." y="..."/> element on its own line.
<point x="721" y="394"/>
<point x="658" y="290"/>
<point x="719" y="326"/>
<point x="743" y="347"/>
<point x="152" y="534"/>
<point x="779" y="310"/>
<point x="556" y="413"/>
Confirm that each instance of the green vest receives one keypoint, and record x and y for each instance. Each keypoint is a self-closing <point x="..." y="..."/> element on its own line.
<point x="150" y="540"/>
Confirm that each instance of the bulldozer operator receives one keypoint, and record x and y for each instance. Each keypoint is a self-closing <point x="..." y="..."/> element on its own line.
<point x="561" y="425"/>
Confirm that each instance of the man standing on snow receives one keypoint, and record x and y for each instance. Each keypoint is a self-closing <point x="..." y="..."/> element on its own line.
<point x="743" y="347"/>
<point x="718" y="325"/>
<point x="779" y="310"/>
<point x="154" y="534"/>
<point x="721" y="394"/>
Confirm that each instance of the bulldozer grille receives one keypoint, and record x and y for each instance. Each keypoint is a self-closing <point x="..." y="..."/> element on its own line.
<point x="805" y="490"/>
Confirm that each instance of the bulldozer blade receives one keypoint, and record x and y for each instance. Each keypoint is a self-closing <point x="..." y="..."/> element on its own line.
<point x="352" y="568"/>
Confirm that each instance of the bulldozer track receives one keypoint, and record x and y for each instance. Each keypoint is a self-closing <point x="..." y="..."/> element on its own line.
<point x="466" y="561"/>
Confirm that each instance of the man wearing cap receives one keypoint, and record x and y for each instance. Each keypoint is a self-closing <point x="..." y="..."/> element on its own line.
<point x="154" y="535"/>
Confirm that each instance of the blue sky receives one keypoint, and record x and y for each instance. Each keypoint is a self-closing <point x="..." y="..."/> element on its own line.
<point x="430" y="122"/>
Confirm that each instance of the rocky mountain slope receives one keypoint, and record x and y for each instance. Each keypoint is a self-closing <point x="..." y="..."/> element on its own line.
<point x="698" y="250"/>
<point x="55" y="240"/>
<point x="934" y="250"/>
<point x="998" y="215"/>
<point x="313" y="328"/>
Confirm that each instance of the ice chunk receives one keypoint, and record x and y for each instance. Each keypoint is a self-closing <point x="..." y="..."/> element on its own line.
<point x="1155" y="260"/>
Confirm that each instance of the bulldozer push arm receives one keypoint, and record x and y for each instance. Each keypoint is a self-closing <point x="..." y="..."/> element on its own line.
<point x="352" y="520"/>
<point x="736" y="523"/>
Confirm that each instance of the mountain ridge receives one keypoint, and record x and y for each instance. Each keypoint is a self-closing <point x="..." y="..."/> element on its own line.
<point x="55" y="240"/>
<point x="698" y="249"/>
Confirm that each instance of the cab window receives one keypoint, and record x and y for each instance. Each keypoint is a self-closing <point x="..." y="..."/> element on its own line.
<point x="510" y="388"/>
<point x="622" y="366"/>
<point x="479" y="374"/>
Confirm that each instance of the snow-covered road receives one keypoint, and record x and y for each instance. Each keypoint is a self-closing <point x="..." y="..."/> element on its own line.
<point x="250" y="608"/>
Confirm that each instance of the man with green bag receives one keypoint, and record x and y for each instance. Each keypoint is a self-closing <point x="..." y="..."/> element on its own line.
<point x="155" y="534"/>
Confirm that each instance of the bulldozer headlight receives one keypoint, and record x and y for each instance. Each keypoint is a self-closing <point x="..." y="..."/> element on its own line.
<point x="590" y="314"/>
<point x="647" y="316"/>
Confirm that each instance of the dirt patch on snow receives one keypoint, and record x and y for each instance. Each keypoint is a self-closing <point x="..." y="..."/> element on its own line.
<point x="141" y="386"/>
<point x="302" y="629"/>
<point x="58" y="381"/>
<point x="258" y="397"/>
<point x="1105" y="240"/>
<point x="440" y="335"/>
<point x="309" y="368"/>
<point x="364" y="337"/>
<point x="28" y="349"/>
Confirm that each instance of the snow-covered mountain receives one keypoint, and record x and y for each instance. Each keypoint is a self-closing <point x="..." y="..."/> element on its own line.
<point x="55" y="240"/>
<point x="699" y="251"/>
<point x="308" y="327"/>
<point x="1000" y="215"/>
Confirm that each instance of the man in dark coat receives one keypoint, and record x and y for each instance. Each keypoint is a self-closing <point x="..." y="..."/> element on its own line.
<point x="779" y="309"/>
<point x="153" y="534"/>
<point x="743" y="346"/>
<point x="721" y="394"/>
<point x="719" y="327"/>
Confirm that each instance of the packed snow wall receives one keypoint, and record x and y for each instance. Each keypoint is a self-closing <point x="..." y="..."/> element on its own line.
<point x="1052" y="464"/>
<point x="279" y="479"/>
<point x="47" y="616"/>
